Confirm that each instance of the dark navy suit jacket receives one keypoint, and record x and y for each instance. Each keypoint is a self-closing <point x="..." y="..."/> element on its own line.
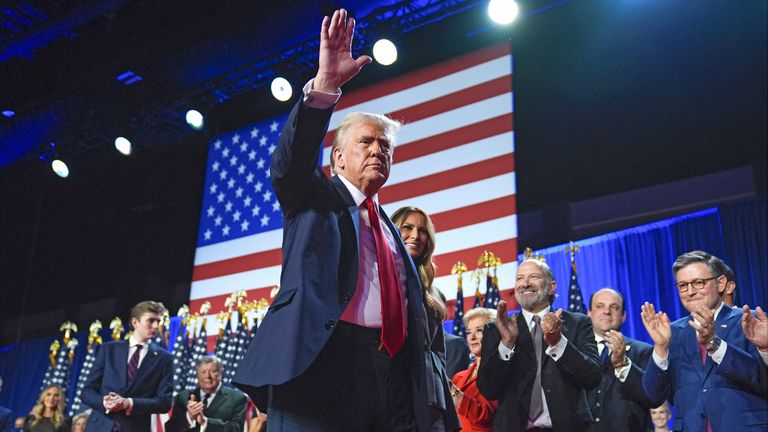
<point x="730" y="394"/>
<point x="151" y="389"/>
<point x="320" y="268"/>
<point x="6" y="420"/>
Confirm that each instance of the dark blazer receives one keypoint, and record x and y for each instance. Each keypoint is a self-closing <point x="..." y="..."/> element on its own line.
<point x="6" y="420"/>
<point x="564" y="381"/>
<point x="456" y="354"/>
<point x="320" y="268"/>
<point x="438" y="390"/>
<point x="151" y="389"/>
<point x="731" y="395"/>
<point x="623" y="406"/>
<point x="225" y="413"/>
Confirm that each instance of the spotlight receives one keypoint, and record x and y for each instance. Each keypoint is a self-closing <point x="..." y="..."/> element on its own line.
<point x="195" y="119"/>
<point x="281" y="89"/>
<point x="385" y="52"/>
<point x="123" y="145"/>
<point x="503" y="11"/>
<point x="9" y="113"/>
<point x="60" y="168"/>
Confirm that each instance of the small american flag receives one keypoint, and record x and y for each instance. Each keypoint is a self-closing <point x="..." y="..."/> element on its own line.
<point x="575" y="300"/>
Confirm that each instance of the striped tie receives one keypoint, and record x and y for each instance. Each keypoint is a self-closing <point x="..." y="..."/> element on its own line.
<point x="133" y="364"/>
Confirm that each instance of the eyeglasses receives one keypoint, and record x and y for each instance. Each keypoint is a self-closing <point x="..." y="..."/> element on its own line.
<point x="697" y="284"/>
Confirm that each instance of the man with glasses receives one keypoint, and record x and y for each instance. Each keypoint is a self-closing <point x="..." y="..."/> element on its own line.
<point x="703" y="362"/>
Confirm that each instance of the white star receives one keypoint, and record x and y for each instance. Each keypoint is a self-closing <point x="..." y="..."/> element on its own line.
<point x="247" y="201"/>
<point x="228" y="206"/>
<point x="231" y="183"/>
<point x="252" y="155"/>
<point x="236" y="216"/>
<point x="244" y="225"/>
<point x="257" y="187"/>
<point x="249" y="178"/>
<point x="241" y="169"/>
<point x="210" y="211"/>
<point x="260" y="163"/>
<point x="233" y="160"/>
<point x="276" y="206"/>
<point x="207" y="234"/>
<point x="266" y="173"/>
<point x="215" y="166"/>
<point x="225" y="152"/>
<point x="239" y="192"/>
<point x="236" y="139"/>
<point x="267" y="196"/>
<point x="255" y="211"/>
<point x="264" y="220"/>
<point x="220" y="197"/>
<point x="254" y="132"/>
<point x="263" y="141"/>
<point x="217" y="144"/>
<point x="225" y="230"/>
<point x="223" y="174"/>
<point x="273" y="126"/>
<point x="272" y="149"/>
<point x="243" y="147"/>
<point x="213" y="188"/>
<point x="217" y="221"/>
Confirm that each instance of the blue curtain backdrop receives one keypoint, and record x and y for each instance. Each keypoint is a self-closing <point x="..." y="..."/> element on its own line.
<point x="636" y="261"/>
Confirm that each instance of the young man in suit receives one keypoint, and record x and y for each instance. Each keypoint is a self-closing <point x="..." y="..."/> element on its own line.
<point x="343" y="344"/>
<point x="210" y="407"/>
<point x="703" y="362"/>
<point x="619" y="403"/>
<point x="538" y="363"/>
<point x="130" y="380"/>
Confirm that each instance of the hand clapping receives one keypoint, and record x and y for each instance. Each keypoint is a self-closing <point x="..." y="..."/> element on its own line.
<point x="658" y="327"/>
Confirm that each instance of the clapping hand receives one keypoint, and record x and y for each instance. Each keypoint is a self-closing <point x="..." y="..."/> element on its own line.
<point x="507" y="326"/>
<point x="755" y="327"/>
<point x="658" y="327"/>
<point x="552" y="327"/>
<point x="703" y="323"/>
<point x="615" y="341"/>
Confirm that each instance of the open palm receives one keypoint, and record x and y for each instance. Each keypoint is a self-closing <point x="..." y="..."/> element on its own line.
<point x="657" y="324"/>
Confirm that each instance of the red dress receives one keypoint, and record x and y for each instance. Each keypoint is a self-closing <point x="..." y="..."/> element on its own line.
<point x="475" y="411"/>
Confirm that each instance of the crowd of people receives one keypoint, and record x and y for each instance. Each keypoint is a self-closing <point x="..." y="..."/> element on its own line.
<point x="354" y="340"/>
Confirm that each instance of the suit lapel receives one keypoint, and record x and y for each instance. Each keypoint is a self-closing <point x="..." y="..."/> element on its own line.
<point x="723" y="327"/>
<point x="121" y="362"/>
<point x="691" y="346"/>
<point x="217" y="401"/>
<point x="524" y="339"/>
<point x="146" y="365"/>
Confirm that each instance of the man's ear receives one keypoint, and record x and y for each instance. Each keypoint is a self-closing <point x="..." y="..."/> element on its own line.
<point x="338" y="158"/>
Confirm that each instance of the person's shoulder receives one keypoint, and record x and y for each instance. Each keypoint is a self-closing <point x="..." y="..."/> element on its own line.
<point x="159" y="350"/>
<point x="235" y="392"/>
<point x="575" y="317"/>
<point x="637" y="344"/>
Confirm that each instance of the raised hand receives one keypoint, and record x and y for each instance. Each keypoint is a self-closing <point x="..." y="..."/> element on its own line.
<point x="616" y="343"/>
<point x="658" y="327"/>
<point x="552" y="327"/>
<point x="336" y="65"/>
<point x="755" y="328"/>
<point x="507" y="326"/>
<point x="705" y="327"/>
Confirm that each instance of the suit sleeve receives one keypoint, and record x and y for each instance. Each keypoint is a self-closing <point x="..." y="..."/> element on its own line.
<point x="456" y="355"/>
<point x="580" y="362"/>
<point x="294" y="162"/>
<point x="494" y="373"/>
<point x="745" y="368"/>
<point x="178" y="421"/>
<point x="632" y="387"/>
<point x="477" y="408"/>
<point x="161" y="401"/>
<point x="92" y="394"/>
<point x="233" y="421"/>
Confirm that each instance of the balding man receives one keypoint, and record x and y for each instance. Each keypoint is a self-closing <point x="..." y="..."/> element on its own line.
<point x="619" y="403"/>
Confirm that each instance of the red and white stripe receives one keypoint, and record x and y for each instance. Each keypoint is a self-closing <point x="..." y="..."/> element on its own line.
<point x="454" y="159"/>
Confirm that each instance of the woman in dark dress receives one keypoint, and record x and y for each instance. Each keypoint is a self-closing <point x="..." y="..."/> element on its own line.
<point x="48" y="413"/>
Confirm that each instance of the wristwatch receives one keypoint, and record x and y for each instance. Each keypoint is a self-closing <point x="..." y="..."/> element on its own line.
<point x="714" y="344"/>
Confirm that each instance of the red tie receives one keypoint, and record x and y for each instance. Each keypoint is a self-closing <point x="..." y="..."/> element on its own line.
<point x="393" y="323"/>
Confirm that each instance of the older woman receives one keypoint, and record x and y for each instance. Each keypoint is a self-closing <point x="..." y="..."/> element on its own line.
<point x="418" y="234"/>
<point x="48" y="413"/>
<point x="79" y="421"/>
<point x="475" y="411"/>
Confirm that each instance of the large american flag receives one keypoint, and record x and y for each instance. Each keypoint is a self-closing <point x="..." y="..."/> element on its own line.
<point x="454" y="159"/>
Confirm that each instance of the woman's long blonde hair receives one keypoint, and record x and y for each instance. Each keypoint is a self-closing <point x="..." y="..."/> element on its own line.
<point x="424" y="263"/>
<point x="58" y="413"/>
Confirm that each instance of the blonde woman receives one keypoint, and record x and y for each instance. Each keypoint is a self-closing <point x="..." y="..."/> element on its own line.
<point x="48" y="413"/>
<point x="660" y="417"/>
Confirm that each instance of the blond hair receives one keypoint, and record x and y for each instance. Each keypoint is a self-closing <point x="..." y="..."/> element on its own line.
<point x="388" y="125"/>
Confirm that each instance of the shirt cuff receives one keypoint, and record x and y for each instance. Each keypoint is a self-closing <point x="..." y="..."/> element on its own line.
<point x="504" y="352"/>
<point x="623" y="372"/>
<point x="718" y="355"/>
<point x="317" y="99"/>
<point x="556" y="352"/>
<point x="191" y="422"/>
<point x="662" y="363"/>
<point x="764" y="356"/>
<point x="205" y="424"/>
<point x="129" y="408"/>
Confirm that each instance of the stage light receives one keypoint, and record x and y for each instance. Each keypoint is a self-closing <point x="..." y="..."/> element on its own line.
<point x="60" y="168"/>
<point x="281" y="89"/>
<point x="195" y="119"/>
<point x="9" y="113"/>
<point x="385" y="52"/>
<point x="503" y="11"/>
<point x="123" y="145"/>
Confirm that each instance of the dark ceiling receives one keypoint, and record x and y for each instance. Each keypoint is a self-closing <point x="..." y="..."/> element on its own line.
<point x="610" y="95"/>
